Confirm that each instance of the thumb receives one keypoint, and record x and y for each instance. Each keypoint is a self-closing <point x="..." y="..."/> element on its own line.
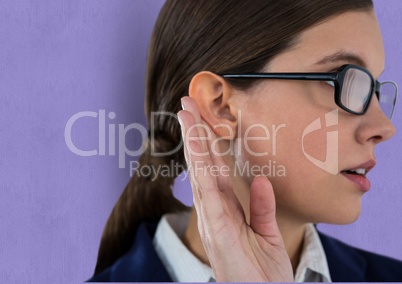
<point x="262" y="208"/>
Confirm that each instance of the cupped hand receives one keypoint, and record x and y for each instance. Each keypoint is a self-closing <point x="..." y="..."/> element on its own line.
<point x="237" y="251"/>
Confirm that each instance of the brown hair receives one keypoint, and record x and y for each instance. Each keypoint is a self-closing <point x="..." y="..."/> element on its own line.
<point x="221" y="36"/>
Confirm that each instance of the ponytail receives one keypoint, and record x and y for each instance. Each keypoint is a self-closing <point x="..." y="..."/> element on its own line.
<point x="145" y="199"/>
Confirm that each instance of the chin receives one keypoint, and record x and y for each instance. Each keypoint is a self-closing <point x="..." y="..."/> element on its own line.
<point x="345" y="219"/>
<point x="345" y="216"/>
<point x="336" y="214"/>
<point x="348" y="219"/>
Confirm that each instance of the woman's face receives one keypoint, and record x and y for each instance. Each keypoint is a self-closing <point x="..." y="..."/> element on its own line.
<point x="308" y="190"/>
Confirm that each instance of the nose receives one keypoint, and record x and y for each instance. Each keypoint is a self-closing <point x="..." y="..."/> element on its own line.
<point x="375" y="126"/>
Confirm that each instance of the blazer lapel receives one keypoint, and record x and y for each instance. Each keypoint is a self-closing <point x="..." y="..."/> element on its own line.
<point x="141" y="263"/>
<point x="345" y="264"/>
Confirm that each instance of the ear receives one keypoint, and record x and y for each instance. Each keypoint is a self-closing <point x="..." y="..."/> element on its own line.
<point x="215" y="100"/>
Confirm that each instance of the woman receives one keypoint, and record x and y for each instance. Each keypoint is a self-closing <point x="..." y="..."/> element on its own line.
<point x="259" y="76"/>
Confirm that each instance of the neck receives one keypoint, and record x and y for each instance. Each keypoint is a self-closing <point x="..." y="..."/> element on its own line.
<point x="293" y="236"/>
<point x="192" y="240"/>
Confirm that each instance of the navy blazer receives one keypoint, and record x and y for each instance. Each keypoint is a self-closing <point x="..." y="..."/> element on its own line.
<point x="346" y="263"/>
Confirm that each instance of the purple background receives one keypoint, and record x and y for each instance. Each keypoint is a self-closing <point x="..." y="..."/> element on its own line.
<point x="58" y="58"/>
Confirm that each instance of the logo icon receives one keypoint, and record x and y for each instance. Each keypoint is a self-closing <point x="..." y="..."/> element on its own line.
<point x="330" y="164"/>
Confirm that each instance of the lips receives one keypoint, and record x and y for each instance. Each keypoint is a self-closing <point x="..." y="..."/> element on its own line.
<point x="357" y="174"/>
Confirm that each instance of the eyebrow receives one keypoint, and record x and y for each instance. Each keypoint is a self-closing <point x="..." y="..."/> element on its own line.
<point x="342" y="56"/>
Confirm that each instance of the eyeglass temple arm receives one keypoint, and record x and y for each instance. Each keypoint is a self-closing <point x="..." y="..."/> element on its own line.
<point x="285" y="76"/>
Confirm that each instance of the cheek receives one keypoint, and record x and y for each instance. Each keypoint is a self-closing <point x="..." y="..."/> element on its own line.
<point x="270" y="148"/>
<point x="275" y="148"/>
<point x="315" y="144"/>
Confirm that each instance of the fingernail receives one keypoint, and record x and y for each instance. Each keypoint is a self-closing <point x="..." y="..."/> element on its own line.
<point x="183" y="103"/>
<point x="179" y="118"/>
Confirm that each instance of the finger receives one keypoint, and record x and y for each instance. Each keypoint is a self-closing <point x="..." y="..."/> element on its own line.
<point x="213" y="207"/>
<point x="194" y="129"/>
<point x="214" y="158"/>
<point x="198" y="165"/>
<point x="187" y="120"/>
<point x="262" y="208"/>
<point x="224" y="178"/>
<point x="215" y="155"/>
<point x="190" y="105"/>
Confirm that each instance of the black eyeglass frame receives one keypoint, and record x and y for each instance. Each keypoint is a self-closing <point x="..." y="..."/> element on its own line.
<point x="336" y="77"/>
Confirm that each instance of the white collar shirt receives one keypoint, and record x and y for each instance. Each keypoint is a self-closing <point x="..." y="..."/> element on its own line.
<point x="183" y="266"/>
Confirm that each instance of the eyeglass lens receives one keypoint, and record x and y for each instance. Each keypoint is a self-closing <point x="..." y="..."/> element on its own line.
<point x="387" y="98"/>
<point x="356" y="89"/>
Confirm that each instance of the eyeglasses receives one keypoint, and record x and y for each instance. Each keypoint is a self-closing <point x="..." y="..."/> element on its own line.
<point x="353" y="85"/>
